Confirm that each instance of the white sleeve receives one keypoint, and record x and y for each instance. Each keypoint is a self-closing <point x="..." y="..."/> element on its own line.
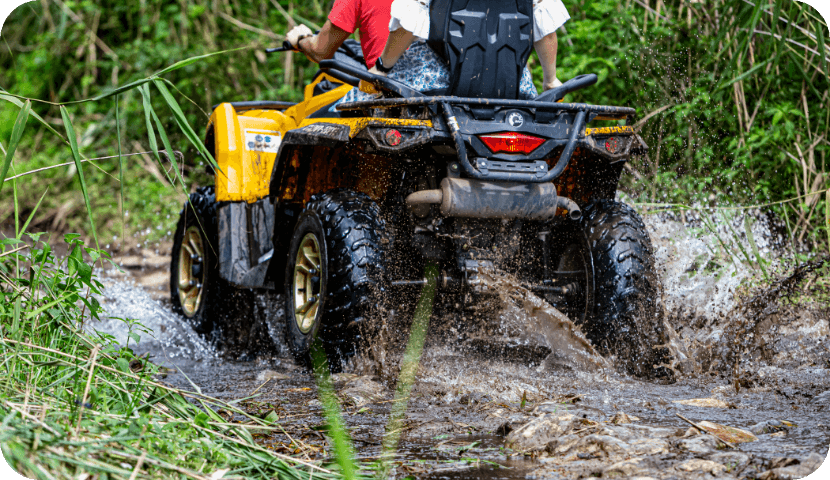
<point x="412" y="16"/>
<point x="548" y="16"/>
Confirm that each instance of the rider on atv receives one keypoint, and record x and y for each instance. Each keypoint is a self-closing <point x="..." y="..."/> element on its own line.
<point x="424" y="70"/>
<point x="369" y="17"/>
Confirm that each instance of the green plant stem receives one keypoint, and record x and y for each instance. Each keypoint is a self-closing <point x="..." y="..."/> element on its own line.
<point x="409" y="368"/>
<point x="342" y="444"/>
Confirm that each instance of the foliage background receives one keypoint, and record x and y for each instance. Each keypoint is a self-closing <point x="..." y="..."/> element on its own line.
<point x="735" y="92"/>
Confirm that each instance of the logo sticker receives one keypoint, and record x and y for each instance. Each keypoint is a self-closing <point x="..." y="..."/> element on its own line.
<point x="262" y="141"/>
<point x="515" y="119"/>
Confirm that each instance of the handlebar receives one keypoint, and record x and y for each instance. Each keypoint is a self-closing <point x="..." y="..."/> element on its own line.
<point x="333" y="67"/>
<point x="558" y="93"/>
<point x="286" y="47"/>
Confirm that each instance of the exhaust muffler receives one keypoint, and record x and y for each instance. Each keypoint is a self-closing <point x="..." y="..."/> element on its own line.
<point x="464" y="197"/>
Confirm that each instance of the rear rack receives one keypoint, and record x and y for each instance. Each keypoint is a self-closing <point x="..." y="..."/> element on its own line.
<point x="411" y="97"/>
<point x="425" y="101"/>
<point x="445" y="103"/>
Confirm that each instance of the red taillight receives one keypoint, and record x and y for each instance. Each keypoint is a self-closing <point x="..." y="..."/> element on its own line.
<point x="393" y="138"/>
<point x="511" y="142"/>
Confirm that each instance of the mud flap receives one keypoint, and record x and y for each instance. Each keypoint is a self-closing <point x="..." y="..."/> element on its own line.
<point x="245" y="243"/>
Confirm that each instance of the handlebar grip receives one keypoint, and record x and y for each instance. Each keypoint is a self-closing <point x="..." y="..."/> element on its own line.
<point x="286" y="47"/>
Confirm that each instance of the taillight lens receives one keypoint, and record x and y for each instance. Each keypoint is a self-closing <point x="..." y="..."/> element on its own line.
<point x="393" y="138"/>
<point x="511" y="142"/>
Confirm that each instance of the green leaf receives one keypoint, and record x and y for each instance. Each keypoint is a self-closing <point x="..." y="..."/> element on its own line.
<point x="123" y="364"/>
<point x="17" y="132"/>
<point x="745" y="74"/>
<point x="201" y="419"/>
<point x="76" y="155"/>
<point x="821" y="49"/>
<point x="272" y="417"/>
<point x="73" y="260"/>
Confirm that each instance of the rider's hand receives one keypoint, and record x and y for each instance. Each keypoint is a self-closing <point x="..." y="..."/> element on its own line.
<point x="555" y="83"/>
<point x="375" y="71"/>
<point x="297" y="33"/>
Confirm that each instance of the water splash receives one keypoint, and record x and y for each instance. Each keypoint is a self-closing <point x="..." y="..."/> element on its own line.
<point x="535" y="318"/>
<point x="171" y="337"/>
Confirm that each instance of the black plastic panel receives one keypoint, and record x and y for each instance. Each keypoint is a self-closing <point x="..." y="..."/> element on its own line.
<point x="486" y="43"/>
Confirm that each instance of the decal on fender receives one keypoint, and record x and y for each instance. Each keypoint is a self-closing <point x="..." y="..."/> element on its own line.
<point x="262" y="141"/>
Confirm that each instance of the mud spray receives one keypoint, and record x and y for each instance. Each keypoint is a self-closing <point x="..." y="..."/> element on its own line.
<point x="748" y="329"/>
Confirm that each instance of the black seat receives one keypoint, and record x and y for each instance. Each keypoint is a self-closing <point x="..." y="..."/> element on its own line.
<point x="486" y="43"/>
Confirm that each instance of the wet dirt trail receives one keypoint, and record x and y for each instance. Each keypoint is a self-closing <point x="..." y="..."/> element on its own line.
<point x="496" y="405"/>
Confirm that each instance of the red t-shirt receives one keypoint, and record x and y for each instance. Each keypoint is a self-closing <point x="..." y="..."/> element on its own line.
<point x="370" y="17"/>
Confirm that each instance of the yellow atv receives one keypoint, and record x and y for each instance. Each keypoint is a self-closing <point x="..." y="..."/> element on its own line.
<point x="340" y="205"/>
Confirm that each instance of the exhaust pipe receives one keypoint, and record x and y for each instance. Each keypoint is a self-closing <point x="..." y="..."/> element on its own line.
<point x="463" y="197"/>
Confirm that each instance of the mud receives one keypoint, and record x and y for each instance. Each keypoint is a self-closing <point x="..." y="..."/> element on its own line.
<point x="510" y="402"/>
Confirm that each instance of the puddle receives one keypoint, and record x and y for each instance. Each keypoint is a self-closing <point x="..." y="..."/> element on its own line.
<point x="469" y="394"/>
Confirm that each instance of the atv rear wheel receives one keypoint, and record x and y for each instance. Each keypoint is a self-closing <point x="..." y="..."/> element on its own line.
<point x="624" y="318"/>
<point x="334" y="275"/>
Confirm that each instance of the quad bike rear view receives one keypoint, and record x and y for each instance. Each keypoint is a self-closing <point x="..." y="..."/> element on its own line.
<point x="341" y="206"/>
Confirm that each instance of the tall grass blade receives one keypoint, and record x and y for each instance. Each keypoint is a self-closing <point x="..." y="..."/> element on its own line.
<point x="32" y="215"/>
<point x="120" y="164"/>
<point x="821" y="49"/>
<point x="745" y="74"/>
<point x="76" y="155"/>
<point x="342" y="443"/>
<point x="754" y="246"/>
<point x="827" y="217"/>
<point x="148" y="120"/>
<point x="15" y="101"/>
<point x="16" y="209"/>
<point x="17" y="132"/>
<point x="720" y="240"/>
<point x="171" y="157"/>
<point x="728" y="222"/>
<point x="183" y="123"/>
<point x="192" y="60"/>
<point x="117" y="91"/>
<point x="409" y="368"/>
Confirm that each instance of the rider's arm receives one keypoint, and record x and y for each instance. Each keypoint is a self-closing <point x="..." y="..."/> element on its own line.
<point x="548" y="16"/>
<point x="396" y="45"/>
<point x="324" y="44"/>
<point x="546" y="49"/>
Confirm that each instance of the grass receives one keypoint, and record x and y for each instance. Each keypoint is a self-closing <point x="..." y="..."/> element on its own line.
<point x="74" y="402"/>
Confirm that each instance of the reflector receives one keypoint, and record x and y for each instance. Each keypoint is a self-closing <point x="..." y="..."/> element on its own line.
<point x="511" y="142"/>
<point x="393" y="138"/>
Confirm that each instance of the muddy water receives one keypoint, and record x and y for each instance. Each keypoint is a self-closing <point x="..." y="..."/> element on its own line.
<point x="475" y="392"/>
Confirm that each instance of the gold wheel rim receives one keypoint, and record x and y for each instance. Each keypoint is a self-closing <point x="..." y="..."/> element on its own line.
<point x="191" y="271"/>
<point x="308" y="285"/>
